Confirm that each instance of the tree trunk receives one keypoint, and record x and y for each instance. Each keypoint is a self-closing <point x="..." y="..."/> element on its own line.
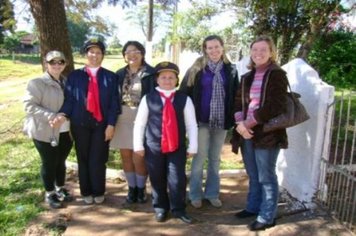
<point x="304" y="50"/>
<point x="51" y="22"/>
<point x="149" y="32"/>
<point x="150" y="20"/>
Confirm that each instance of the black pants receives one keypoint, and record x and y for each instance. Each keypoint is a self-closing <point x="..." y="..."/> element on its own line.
<point x="53" y="168"/>
<point x="167" y="171"/>
<point x="92" y="154"/>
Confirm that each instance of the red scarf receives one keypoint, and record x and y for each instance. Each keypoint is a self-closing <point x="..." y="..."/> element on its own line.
<point x="169" y="141"/>
<point x="93" y="104"/>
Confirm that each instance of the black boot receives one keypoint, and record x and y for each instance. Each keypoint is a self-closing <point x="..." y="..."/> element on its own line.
<point x="132" y="195"/>
<point x="141" y="195"/>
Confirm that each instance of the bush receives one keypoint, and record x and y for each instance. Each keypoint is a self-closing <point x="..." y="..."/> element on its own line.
<point x="334" y="56"/>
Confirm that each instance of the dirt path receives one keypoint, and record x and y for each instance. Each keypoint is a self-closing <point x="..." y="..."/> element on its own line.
<point x="116" y="217"/>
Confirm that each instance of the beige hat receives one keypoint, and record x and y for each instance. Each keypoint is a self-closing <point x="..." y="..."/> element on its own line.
<point x="55" y="55"/>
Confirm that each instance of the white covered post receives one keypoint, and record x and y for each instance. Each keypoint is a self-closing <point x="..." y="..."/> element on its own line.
<point x="298" y="167"/>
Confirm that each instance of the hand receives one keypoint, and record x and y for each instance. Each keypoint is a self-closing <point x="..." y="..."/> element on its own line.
<point x="109" y="132"/>
<point x="140" y="153"/>
<point x="189" y="155"/>
<point x="57" y="121"/>
<point x="245" y="132"/>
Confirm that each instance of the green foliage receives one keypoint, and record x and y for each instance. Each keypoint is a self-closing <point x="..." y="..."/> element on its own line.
<point x="129" y="3"/>
<point x="78" y="31"/>
<point x="115" y="43"/>
<point x="291" y="24"/>
<point x="12" y="41"/>
<point x="287" y="23"/>
<point x="7" y="19"/>
<point x="193" y="26"/>
<point x="82" y="24"/>
<point x="334" y="57"/>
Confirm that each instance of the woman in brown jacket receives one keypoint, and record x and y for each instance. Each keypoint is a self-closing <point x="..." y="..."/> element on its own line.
<point x="262" y="96"/>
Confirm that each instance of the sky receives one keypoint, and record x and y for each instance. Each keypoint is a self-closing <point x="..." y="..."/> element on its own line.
<point x="125" y="31"/>
<point x="116" y="15"/>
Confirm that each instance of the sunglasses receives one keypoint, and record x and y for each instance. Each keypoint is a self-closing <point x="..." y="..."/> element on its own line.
<point x="53" y="62"/>
<point x="133" y="52"/>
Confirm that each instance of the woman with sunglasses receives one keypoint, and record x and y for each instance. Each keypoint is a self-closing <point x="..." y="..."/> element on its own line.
<point x="135" y="80"/>
<point x="44" y="97"/>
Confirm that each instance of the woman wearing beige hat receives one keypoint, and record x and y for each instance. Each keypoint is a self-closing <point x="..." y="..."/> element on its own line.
<point x="44" y="97"/>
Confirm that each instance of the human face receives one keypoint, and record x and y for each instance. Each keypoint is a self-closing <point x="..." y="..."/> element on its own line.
<point x="167" y="80"/>
<point x="133" y="56"/>
<point x="55" y="67"/>
<point x="95" y="56"/>
<point x="260" y="53"/>
<point x="214" y="50"/>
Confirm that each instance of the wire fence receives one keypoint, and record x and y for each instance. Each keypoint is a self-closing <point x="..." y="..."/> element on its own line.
<point x="337" y="186"/>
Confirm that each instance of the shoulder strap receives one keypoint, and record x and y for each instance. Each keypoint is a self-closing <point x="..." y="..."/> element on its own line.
<point x="265" y="86"/>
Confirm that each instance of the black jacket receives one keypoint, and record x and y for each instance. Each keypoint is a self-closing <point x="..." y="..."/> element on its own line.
<point x="195" y="91"/>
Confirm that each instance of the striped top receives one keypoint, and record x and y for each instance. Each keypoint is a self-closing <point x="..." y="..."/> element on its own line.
<point x="255" y="97"/>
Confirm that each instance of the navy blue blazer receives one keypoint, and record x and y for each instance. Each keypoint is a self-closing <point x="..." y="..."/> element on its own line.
<point x="75" y="100"/>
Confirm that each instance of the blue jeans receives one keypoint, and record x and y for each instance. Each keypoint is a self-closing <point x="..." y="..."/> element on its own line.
<point x="210" y="143"/>
<point x="260" y="166"/>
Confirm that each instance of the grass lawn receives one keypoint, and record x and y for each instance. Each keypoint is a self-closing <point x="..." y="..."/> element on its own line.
<point x="21" y="190"/>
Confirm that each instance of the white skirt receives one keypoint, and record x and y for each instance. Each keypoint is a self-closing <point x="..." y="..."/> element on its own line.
<point x="123" y="136"/>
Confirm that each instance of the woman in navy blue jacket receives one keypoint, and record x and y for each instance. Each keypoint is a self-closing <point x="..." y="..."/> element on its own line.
<point x="91" y="103"/>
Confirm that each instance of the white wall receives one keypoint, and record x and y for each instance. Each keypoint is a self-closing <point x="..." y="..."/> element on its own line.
<point x="242" y="66"/>
<point x="298" y="167"/>
<point x="186" y="60"/>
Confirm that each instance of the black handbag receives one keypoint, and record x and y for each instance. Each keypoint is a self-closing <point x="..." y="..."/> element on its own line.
<point x="295" y="114"/>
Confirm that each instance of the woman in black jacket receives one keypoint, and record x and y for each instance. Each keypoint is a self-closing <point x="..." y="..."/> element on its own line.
<point x="262" y="96"/>
<point x="211" y="82"/>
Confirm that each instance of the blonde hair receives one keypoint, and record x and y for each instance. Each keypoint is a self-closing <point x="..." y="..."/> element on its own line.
<point x="272" y="48"/>
<point x="202" y="61"/>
